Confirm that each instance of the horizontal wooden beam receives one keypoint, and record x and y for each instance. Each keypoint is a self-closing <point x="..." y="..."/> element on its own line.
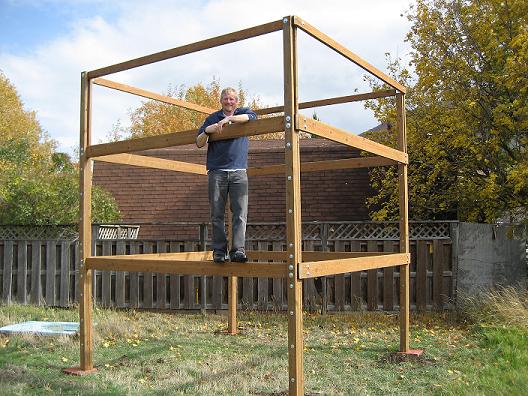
<point x="181" y="256"/>
<point x="340" y="49"/>
<point x="315" y="166"/>
<point x="152" y="95"/>
<point x="189" y="48"/>
<point x="332" y="101"/>
<point x="341" y="136"/>
<point x="257" y="127"/>
<point x="153" y="162"/>
<point x="312" y="269"/>
<point x="197" y="267"/>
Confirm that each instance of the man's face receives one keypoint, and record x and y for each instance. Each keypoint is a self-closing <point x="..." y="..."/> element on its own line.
<point x="229" y="102"/>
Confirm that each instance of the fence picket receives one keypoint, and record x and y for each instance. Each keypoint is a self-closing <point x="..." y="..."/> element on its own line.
<point x="7" y="274"/>
<point x="161" y="279"/>
<point x="51" y="260"/>
<point x="22" y="272"/>
<point x="388" y="280"/>
<point x="339" y="281"/>
<point x="420" y="283"/>
<point x="174" y="281"/>
<point x="64" y="296"/>
<point x="134" y="279"/>
<point x="106" y="296"/>
<point x="356" y="300"/>
<point x="148" y="281"/>
<point x="36" y="285"/>
<point x="120" y="278"/>
<point x="438" y="274"/>
<point x="372" y="280"/>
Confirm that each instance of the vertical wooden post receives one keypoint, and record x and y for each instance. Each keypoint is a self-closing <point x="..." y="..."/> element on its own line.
<point x="404" y="226"/>
<point x="85" y="234"/>
<point x="293" y="211"/>
<point x="231" y="280"/>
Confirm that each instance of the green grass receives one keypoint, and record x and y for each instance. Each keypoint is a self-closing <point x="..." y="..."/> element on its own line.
<point x="345" y="354"/>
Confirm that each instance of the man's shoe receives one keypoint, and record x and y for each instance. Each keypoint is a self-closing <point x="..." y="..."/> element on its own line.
<point x="219" y="256"/>
<point x="238" y="256"/>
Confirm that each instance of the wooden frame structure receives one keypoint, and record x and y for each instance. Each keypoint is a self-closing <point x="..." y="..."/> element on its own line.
<point x="294" y="264"/>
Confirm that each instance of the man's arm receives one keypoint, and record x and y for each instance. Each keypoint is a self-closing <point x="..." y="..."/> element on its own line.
<point x="203" y="137"/>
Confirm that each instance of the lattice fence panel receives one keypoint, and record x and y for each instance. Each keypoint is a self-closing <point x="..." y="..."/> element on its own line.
<point x="33" y="232"/>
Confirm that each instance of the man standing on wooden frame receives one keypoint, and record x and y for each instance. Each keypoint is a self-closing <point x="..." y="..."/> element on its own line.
<point x="227" y="176"/>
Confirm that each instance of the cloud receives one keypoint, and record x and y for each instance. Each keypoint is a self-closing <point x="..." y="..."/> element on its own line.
<point x="48" y="77"/>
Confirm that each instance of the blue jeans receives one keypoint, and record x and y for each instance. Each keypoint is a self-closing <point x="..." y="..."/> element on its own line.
<point x="235" y="185"/>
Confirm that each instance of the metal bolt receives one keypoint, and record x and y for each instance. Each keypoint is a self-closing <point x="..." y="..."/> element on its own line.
<point x="290" y="211"/>
<point x="292" y="380"/>
<point x="291" y="244"/>
<point x="292" y="346"/>
<point x="291" y="313"/>
<point x="285" y="20"/>
<point x="291" y="256"/>
<point x="288" y="125"/>
<point x="288" y="118"/>
<point x="289" y="177"/>
<point x="290" y="267"/>
<point x="288" y="144"/>
<point x="291" y="285"/>
<point x="290" y="274"/>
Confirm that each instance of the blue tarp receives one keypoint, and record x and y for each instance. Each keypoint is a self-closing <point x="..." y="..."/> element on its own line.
<point x="42" y="328"/>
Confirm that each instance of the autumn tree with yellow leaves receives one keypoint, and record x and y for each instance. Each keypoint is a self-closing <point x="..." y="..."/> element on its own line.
<point x="467" y="113"/>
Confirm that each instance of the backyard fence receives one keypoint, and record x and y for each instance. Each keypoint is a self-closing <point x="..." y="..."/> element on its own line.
<point x="46" y="271"/>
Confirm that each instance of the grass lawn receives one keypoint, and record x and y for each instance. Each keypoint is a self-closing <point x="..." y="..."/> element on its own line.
<point x="345" y="354"/>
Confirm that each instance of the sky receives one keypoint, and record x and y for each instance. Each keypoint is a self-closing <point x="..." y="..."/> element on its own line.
<point x="46" y="44"/>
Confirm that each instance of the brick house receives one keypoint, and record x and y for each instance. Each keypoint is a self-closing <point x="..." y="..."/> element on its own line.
<point x="157" y="196"/>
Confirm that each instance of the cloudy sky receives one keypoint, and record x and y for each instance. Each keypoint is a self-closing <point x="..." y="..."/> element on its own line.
<point x="46" y="44"/>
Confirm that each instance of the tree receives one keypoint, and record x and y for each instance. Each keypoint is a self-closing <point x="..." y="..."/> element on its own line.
<point x="467" y="113"/>
<point x="38" y="185"/>
<point x="156" y="118"/>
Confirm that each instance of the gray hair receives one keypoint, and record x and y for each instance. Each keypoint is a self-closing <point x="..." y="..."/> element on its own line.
<point x="227" y="90"/>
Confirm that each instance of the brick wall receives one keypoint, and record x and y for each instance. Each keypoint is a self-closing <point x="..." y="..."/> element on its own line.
<point x="150" y="195"/>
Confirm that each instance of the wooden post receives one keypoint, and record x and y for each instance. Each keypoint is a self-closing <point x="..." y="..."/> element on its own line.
<point x="85" y="235"/>
<point x="404" y="226"/>
<point x="293" y="211"/>
<point x="231" y="280"/>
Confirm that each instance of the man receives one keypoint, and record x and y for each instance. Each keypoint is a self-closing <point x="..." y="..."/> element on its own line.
<point x="226" y="170"/>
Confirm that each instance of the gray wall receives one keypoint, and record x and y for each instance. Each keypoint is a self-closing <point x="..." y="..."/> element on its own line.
<point x="488" y="256"/>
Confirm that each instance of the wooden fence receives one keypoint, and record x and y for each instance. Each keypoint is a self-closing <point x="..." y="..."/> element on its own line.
<point x="46" y="272"/>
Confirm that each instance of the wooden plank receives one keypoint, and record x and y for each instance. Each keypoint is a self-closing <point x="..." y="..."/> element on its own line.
<point x="339" y="282"/>
<point x="120" y="278"/>
<point x="293" y="212"/>
<point x="152" y="95"/>
<point x="248" y="296"/>
<point x="7" y="275"/>
<point x="249" y="269"/>
<point x="341" y="136"/>
<point x="403" y="193"/>
<point x="148" y="281"/>
<point x="218" y="290"/>
<point x="372" y="280"/>
<point x="65" y="274"/>
<point x="331" y="101"/>
<point x="36" y="262"/>
<point x="257" y="127"/>
<point x="388" y="280"/>
<point x="438" y="274"/>
<point x="420" y="284"/>
<point x="316" y="166"/>
<point x="22" y="272"/>
<point x="51" y="262"/>
<point x="106" y="297"/>
<point x="313" y="269"/>
<point x="161" y="280"/>
<point x="169" y="256"/>
<point x="85" y="229"/>
<point x="154" y="163"/>
<point x="188" y="49"/>
<point x="174" y="281"/>
<point x="340" y="49"/>
<point x="134" y="279"/>
<point x="321" y="256"/>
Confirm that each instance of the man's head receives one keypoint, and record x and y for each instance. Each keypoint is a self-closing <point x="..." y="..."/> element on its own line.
<point x="229" y="100"/>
